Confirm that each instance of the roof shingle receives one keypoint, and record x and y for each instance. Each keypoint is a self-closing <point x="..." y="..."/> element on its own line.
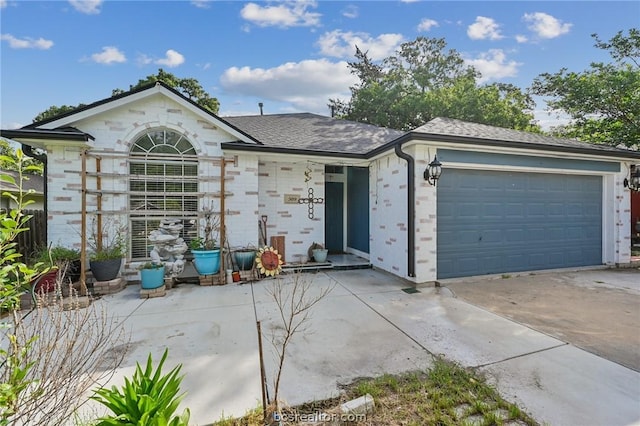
<point x="456" y="128"/>
<point x="312" y="132"/>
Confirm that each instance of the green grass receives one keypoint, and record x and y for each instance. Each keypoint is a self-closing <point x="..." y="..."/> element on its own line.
<point x="447" y="394"/>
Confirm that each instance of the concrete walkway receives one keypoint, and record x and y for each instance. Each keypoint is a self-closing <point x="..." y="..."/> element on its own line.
<point x="365" y="327"/>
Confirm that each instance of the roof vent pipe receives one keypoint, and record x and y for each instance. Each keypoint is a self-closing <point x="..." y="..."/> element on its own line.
<point x="260" y="104"/>
<point x="411" y="209"/>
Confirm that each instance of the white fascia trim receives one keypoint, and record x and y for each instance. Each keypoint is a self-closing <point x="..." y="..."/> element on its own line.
<point x="44" y="143"/>
<point x="152" y="91"/>
<point x="604" y="156"/>
<point x="300" y="158"/>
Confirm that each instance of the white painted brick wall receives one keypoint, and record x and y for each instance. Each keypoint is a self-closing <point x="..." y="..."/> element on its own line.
<point x="426" y="217"/>
<point x="291" y="220"/>
<point x="115" y="131"/>
<point x="388" y="220"/>
<point x="621" y="211"/>
<point x="242" y="202"/>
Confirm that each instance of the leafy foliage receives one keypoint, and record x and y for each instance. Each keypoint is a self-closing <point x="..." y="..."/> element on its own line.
<point x="190" y="87"/>
<point x="55" y="110"/>
<point x="6" y="150"/>
<point x="107" y="241"/>
<point x="15" y="276"/>
<point x="604" y="100"/>
<point x="422" y="81"/>
<point x="149" y="398"/>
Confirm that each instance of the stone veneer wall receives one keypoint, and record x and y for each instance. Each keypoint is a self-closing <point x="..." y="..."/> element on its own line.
<point x="291" y="220"/>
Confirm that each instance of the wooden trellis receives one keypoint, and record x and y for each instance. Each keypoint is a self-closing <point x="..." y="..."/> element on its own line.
<point x="99" y="192"/>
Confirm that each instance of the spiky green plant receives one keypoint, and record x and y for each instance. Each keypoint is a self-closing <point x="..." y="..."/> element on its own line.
<point x="148" y="399"/>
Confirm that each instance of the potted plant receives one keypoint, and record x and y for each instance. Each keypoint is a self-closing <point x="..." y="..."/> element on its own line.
<point x="151" y="275"/>
<point x="107" y="250"/>
<point x="68" y="259"/>
<point x="318" y="252"/>
<point x="206" y="255"/>
<point x="46" y="281"/>
<point x="245" y="257"/>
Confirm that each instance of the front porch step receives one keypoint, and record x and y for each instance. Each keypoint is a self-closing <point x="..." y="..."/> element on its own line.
<point x="309" y="266"/>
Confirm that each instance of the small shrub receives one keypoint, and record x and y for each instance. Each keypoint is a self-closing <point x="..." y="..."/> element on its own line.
<point x="149" y="398"/>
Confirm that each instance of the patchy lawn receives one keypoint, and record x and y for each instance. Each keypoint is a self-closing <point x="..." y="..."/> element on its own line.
<point x="445" y="395"/>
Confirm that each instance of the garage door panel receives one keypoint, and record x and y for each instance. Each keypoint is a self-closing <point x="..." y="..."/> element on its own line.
<point x="517" y="222"/>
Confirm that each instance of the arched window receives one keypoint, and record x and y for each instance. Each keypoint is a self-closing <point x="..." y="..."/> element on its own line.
<point x="163" y="182"/>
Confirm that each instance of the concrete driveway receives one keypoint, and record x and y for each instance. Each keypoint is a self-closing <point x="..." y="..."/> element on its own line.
<point x="596" y="310"/>
<point x="367" y="326"/>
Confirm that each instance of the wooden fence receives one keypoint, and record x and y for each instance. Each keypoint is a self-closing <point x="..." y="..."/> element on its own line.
<point x="35" y="238"/>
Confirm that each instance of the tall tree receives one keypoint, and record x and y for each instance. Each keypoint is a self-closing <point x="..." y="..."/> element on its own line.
<point x="423" y="80"/>
<point x="53" y="111"/>
<point x="604" y="100"/>
<point x="190" y="87"/>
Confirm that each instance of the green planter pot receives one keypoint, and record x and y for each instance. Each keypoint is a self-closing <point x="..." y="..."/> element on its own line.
<point x="152" y="278"/>
<point x="207" y="262"/>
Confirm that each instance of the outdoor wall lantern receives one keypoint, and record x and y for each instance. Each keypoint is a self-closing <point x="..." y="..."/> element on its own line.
<point x="433" y="171"/>
<point x="633" y="183"/>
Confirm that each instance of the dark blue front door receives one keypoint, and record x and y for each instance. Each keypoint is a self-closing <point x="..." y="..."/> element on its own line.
<point x="334" y="216"/>
<point x="358" y="208"/>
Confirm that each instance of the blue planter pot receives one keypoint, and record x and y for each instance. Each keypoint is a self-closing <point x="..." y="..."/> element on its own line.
<point x="245" y="259"/>
<point x="207" y="262"/>
<point x="152" y="278"/>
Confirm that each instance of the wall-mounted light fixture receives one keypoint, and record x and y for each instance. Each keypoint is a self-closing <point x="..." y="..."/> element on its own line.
<point x="633" y="183"/>
<point x="433" y="171"/>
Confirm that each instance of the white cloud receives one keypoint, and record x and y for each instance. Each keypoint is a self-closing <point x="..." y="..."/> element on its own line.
<point x="143" y="59"/>
<point x="546" y="26"/>
<point x="88" y="7"/>
<point x="26" y="42"/>
<point x="109" y="55"/>
<point x="202" y="4"/>
<point x="350" y="11"/>
<point x="426" y="24"/>
<point x="493" y="65"/>
<point x="307" y="85"/>
<point x="484" y="28"/>
<point x="521" y="38"/>
<point x="286" y="14"/>
<point x="341" y="44"/>
<point x="171" y="60"/>
<point x="3" y="4"/>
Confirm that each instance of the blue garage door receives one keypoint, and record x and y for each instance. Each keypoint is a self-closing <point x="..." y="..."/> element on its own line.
<point x="495" y="222"/>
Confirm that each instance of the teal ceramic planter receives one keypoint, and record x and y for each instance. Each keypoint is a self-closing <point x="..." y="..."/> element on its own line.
<point x="207" y="262"/>
<point x="245" y="259"/>
<point x="152" y="278"/>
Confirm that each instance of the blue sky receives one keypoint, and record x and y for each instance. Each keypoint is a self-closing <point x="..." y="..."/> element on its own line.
<point x="289" y="55"/>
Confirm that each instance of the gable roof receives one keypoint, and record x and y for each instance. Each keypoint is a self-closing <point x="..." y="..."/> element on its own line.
<point x="63" y="120"/>
<point x="452" y="130"/>
<point x="312" y="133"/>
